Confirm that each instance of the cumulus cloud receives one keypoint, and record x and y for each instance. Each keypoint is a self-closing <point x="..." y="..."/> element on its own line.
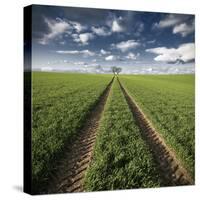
<point x="181" y="24"/>
<point x="115" y="23"/>
<point x="83" y="38"/>
<point x="75" y="37"/>
<point x="116" y="27"/>
<point x="111" y="58"/>
<point x="169" y="21"/>
<point x="126" y="45"/>
<point x="78" y="27"/>
<point x="59" y="26"/>
<point x="132" y="56"/>
<point x="56" y="27"/>
<point x="183" y="29"/>
<point x="104" y="52"/>
<point x="85" y="52"/>
<point x="183" y="54"/>
<point x="101" y="31"/>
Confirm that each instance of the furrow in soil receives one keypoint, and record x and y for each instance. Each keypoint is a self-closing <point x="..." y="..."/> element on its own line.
<point x="171" y="170"/>
<point x="69" y="175"/>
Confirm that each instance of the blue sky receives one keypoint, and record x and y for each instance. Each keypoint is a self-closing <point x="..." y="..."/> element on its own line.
<point x="93" y="40"/>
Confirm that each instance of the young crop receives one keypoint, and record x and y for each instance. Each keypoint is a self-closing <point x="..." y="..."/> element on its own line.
<point x="121" y="158"/>
<point x="60" y="105"/>
<point x="168" y="101"/>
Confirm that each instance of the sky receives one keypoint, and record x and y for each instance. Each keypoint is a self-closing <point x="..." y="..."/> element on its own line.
<point x="93" y="40"/>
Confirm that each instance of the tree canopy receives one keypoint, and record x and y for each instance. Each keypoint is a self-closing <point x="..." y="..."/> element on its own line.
<point x="116" y="70"/>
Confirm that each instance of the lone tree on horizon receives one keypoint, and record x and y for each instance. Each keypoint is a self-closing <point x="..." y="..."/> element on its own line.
<point x="116" y="70"/>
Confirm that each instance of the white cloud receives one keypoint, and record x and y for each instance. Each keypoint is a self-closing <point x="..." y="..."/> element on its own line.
<point x="139" y="28"/>
<point x="83" y="38"/>
<point x="46" y="69"/>
<point x="116" y="27"/>
<point x="80" y="63"/>
<point x="184" y="53"/>
<point x="110" y="58"/>
<point x="115" y="23"/>
<point x="85" y="52"/>
<point x="168" y="21"/>
<point x="56" y="27"/>
<point x="101" y="31"/>
<point x="126" y="45"/>
<point x="183" y="29"/>
<point x="94" y="65"/>
<point x="59" y="26"/>
<point x="104" y="52"/>
<point x="179" y="23"/>
<point x="78" y="27"/>
<point x="132" y="56"/>
<point x="151" y="41"/>
<point x="75" y="37"/>
<point x="67" y="52"/>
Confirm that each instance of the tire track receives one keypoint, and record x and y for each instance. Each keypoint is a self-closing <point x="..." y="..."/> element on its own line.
<point x="70" y="172"/>
<point x="170" y="169"/>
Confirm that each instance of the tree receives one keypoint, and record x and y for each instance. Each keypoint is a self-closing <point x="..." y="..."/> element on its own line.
<point x="113" y="69"/>
<point x="116" y="70"/>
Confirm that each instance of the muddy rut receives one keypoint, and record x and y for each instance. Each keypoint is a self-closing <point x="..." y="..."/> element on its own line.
<point x="70" y="173"/>
<point x="171" y="170"/>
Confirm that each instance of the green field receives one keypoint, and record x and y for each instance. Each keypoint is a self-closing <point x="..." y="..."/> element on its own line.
<point x="61" y="103"/>
<point x="121" y="158"/>
<point x="169" y="102"/>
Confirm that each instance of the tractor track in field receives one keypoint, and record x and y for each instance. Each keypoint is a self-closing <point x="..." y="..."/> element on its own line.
<point x="171" y="170"/>
<point x="70" y="172"/>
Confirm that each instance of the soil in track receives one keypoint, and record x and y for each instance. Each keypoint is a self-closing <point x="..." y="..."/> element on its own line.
<point x="71" y="170"/>
<point x="171" y="170"/>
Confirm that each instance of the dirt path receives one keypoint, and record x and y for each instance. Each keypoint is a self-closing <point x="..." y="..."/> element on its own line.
<point x="70" y="173"/>
<point x="171" y="170"/>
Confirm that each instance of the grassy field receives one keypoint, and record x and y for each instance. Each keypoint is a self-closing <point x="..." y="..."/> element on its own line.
<point x="169" y="102"/>
<point x="61" y="103"/>
<point x="121" y="158"/>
